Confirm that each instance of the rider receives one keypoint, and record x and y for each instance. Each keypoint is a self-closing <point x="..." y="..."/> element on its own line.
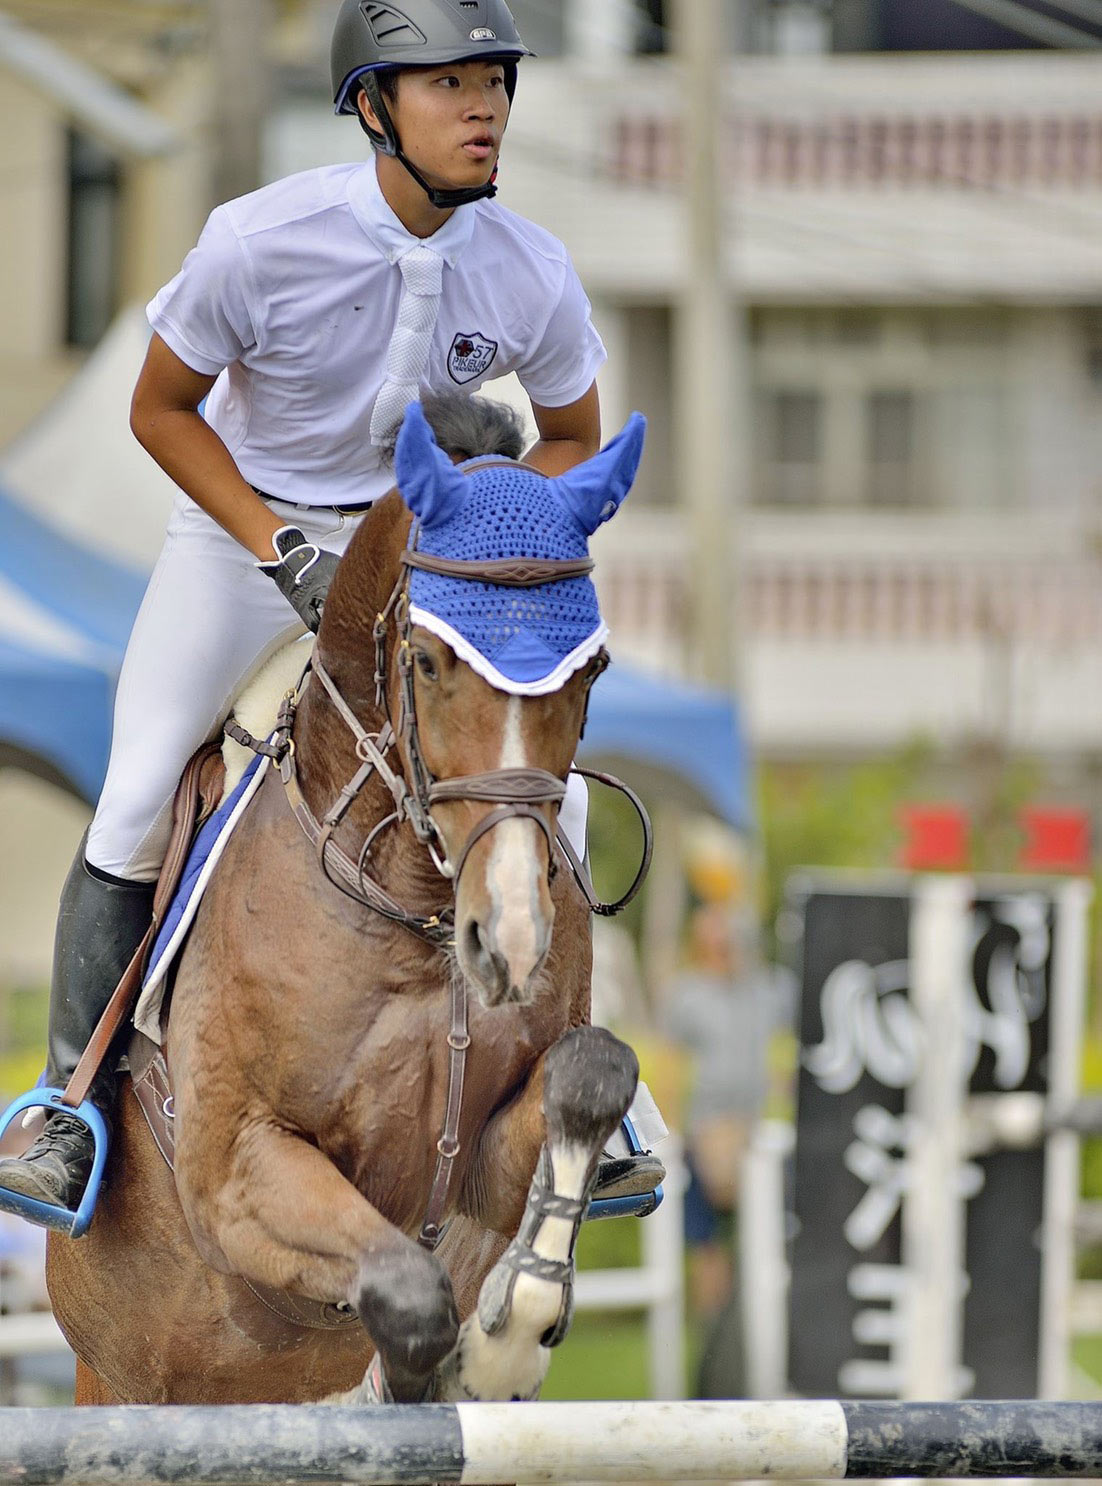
<point x="308" y="315"/>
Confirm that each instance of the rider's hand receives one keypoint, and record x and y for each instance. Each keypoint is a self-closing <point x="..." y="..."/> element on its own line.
<point x="302" y="573"/>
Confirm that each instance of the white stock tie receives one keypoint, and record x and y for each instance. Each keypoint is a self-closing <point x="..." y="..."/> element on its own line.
<point x="408" y="352"/>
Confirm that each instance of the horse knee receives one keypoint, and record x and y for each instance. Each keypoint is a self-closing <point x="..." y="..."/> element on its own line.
<point x="588" y="1084"/>
<point x="407" y="1307"/>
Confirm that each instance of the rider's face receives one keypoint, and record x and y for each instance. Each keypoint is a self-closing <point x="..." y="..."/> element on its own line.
<point x="450" y="120"/>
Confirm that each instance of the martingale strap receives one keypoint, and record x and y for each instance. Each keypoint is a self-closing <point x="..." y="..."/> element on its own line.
<point x="447" y="1147"/>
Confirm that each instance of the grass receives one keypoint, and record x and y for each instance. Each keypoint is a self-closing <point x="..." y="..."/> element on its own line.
<point x="22" y="1040"/>
<point x="1087" y="1354"/>
<point x="605" y="1356"/>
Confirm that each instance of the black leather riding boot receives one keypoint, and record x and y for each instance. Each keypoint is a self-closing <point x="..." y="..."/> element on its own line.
<point x="100" y="923"/>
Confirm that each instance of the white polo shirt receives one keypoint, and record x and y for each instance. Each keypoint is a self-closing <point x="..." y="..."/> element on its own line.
<point x="290" y="297"/>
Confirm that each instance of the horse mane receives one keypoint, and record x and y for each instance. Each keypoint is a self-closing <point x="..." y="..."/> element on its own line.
<point x="468" y="426"/>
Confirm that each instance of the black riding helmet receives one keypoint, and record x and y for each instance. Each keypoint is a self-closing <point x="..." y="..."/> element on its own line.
<point x="369" y="38"/>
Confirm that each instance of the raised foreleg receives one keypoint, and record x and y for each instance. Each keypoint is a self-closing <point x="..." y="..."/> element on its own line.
<point x="526" y="1301"/>
<point x="273" y="1208"/>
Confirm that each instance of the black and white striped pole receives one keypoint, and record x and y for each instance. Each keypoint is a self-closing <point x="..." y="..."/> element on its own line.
<point x="283" y="1445"/>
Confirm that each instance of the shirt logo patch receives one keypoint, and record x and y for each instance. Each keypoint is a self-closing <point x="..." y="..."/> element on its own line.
<point x="483" y="33"/>
<point x="471" y="356"/>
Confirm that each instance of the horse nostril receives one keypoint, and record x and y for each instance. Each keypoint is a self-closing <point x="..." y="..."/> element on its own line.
<point x="488" y="967"/>
<point x="472" y="935"/>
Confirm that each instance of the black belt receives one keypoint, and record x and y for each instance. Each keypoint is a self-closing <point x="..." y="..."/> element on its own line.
<point x="352" y="509"/>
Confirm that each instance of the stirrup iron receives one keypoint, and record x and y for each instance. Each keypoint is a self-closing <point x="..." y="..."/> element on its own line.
<point x="72" y="1222"/>
<point x="638" y="1204"/>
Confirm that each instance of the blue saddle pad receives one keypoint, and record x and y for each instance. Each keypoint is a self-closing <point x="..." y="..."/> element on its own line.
<point x="205" y="851"/>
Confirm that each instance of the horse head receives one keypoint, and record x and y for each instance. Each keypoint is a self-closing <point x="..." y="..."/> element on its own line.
<point x="503" y="638"/>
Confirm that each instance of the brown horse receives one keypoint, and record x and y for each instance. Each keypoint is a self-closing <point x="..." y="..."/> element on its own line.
<point x="318" y="1018"/>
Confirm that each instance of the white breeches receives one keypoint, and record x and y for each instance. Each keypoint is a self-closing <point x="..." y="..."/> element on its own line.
<point x="208" y="622"/>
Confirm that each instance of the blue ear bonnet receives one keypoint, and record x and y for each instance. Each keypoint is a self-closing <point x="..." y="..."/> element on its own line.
<point x="522" y="640"/>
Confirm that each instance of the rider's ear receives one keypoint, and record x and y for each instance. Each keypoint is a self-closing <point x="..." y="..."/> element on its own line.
<point x="593" y="490"/>
<point x="431" y="485"/>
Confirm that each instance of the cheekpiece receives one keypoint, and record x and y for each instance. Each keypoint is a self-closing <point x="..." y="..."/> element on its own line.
<point x="527" y="641"/>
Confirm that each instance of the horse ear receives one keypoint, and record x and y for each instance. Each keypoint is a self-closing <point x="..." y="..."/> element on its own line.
<point x="431" y="485"/>
<point x="593" y="490"/>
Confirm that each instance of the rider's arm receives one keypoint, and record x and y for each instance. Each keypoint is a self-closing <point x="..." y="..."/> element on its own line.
<point x="165" y="420"/>
<point x="566" y="435"/>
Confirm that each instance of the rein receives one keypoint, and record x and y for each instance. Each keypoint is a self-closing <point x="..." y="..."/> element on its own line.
<point x="513" y="793"/>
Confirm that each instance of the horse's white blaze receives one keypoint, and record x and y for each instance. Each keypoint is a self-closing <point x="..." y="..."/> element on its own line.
<point x="514" y="872"/>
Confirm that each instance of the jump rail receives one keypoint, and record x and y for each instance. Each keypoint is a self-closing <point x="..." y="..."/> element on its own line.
<point x="288" y="1445"/>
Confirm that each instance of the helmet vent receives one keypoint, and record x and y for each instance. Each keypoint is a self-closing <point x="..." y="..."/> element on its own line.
<point x="390" y="27"/>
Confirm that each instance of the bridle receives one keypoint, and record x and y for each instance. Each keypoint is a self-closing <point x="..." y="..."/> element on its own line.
<point x="513" y="792"/>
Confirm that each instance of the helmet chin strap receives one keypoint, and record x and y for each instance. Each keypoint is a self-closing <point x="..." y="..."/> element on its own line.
<point x="446" y="199"/>
<point x="388" y="144"/>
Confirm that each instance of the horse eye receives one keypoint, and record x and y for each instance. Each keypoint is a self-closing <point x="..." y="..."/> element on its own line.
<point x="425" y="665"/>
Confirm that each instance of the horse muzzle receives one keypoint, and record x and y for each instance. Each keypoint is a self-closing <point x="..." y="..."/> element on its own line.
<point x="503" y="909"/>
<point x="501" y="879"/>
<point x="504" y="969"/>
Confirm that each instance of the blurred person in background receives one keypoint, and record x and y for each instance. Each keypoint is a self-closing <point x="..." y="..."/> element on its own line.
<point x="717" y="1009"/>
<point x="308" y="316"/>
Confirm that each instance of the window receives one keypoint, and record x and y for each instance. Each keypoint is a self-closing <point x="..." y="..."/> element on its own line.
<point x="1091" y="323"/>
<point x="791" y="453"/>
<point x="971" y="447"/>
<point x="858" y="327"/>
<point x="647" y="351"/>
<point x="891" y="444"/>
<point x="94" y="210"/>
<point x="652" y="26"/>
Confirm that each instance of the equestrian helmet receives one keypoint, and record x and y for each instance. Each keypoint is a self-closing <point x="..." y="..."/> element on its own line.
<point x="370" y="37"/>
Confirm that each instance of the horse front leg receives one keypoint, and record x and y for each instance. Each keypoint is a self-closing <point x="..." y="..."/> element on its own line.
<point x="270" y="1206"/>
<point x="526" y="1301"/>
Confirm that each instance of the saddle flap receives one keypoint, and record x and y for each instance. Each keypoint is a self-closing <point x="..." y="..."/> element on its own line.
<point x="197" y="797"/>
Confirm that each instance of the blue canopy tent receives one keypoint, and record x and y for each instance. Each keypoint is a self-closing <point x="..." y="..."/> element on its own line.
<point x="66" y="612"/>
<point x="679" y="740"/>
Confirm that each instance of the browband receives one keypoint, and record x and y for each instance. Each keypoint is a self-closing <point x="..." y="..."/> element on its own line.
<point x="507" y="572"/>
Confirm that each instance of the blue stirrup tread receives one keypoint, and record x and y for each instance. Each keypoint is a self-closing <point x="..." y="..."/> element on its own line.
<point x="46" y="1214"/>
<point x="636" y="1205"/>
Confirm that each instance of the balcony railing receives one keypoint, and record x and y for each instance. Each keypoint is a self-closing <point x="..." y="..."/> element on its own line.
<point x="852" y="150"/>
<point x="998" y="600"/>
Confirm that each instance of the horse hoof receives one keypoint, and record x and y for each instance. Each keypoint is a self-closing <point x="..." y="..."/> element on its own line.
<point x="588" y="1084"/>
<point x="407" y="1307"/>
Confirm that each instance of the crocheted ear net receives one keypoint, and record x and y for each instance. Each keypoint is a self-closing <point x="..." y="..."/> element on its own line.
<point x="523" y="640"/>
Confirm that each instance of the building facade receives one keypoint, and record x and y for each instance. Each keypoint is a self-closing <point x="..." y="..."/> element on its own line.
<point x="912" y="248"/>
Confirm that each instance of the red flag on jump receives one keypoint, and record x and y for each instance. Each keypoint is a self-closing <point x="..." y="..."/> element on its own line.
<point x="936" y="837"/>
<point x="1055" y="840"/>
